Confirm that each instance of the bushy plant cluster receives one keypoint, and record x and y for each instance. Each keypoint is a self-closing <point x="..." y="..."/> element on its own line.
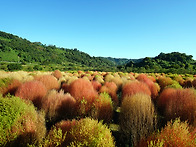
<point x="79" y="108"/>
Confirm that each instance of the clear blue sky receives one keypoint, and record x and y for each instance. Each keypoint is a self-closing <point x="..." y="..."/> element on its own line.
<point x="115" y="28"/>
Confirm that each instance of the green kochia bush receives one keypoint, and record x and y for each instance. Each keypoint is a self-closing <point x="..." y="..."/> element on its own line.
<point x="20" y="123"/>
<point x="84" y="132"/>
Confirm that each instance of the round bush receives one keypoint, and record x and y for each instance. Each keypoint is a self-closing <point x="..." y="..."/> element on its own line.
<point x="20" y="123"/>
<point x="152" y="86"/>
<point x="33" y="90"/>
<point x="58" y="105"/>
<point x="84" y="93"/>
<point x="134" y="87"/>
<point x="111" y="89"/>
<point x="85" y="132"/>
<point x="49" y="81"/>
<point x="57" y="74"/>
<point x="137" y="118"/>
<point x="178" y="103"/>
<point x="175" y="134"/>
<point x="8" y="85"/>
<point x="104" y="108"/>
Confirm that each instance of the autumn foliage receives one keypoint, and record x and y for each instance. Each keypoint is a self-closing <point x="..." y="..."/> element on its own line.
<point x="33" y="90"/>
<point x="49" y="81"/>
<point x="134" y="87"/>
<point x="58" y="105"/>
<point x="178" y="103"/>
<point x="84" y="93"/>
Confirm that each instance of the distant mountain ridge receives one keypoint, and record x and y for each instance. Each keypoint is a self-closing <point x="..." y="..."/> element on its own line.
<point x="18" y="50"/>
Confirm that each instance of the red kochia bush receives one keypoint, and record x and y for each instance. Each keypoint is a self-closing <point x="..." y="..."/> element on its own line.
<point x="174" y="134"/>
<point x="179" y="103"/>
<point x="104" y="108"/>
<point x="97" y="85"/>
<point x="134" y="87"/>
<point x="164" y="82"/>
<point x="111" y="88"/>
<point x="49" y="81"/>
<point x="58" y="105"/>
<point x="84" y="93"/>
<point x="152" y="86"/>
<point x="57" y="74"/>
<point x="33" y="90"/>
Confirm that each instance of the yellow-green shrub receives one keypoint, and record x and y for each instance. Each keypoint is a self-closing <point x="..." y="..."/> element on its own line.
<point x="85" y="132"/>
<point x="20" y="123"/>
<point x="137" y="117"/>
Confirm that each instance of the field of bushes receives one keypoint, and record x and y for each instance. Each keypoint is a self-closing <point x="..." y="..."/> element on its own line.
<point x="103" y="109"/>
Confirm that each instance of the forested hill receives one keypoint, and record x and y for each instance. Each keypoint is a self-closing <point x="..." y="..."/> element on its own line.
<point x="17" y="49"/>
<point x="174" y="62"/>
<point x="37" y="56"/>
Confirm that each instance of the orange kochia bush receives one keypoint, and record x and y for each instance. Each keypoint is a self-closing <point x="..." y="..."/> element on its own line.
<point x="111" y="88"/>
<point x="49" y="81"/>
<point x="33" y="90"/>
<point x="9" y="86"/>
<point x="59" y="105"/>
<point x="134" y="87"/>
<point x="84" y="93"/>
<point x="178" y="103"/>
<point x="103" y="108"/>
<point x="57" y="74"/>
<point x="154" y="88"/>
<point x="174" y="134"/>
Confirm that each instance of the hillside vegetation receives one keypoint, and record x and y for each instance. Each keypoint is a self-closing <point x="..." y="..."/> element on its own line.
<point x="17" y="53"/>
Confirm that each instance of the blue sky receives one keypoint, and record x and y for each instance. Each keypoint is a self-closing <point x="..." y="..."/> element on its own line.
<point x="116" y="28"/>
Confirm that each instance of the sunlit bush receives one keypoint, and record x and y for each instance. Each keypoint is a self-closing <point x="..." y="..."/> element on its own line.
<point x="137" y="117"/>
<point x="8" y="85"/>
<point x="49" y="81"/>
<point x="103" y="108"/>
<point x="111" y="89"/>
<point x="85" y="132"/>
<point x="176" y="103"/>
<point x="134" y="87"/>
<point x="33" y="90"/>
<point x="20" y="123"/>
<point x="57" y="74"/>
<point x="175" y="134"/>
<point x="85" y="95"/>
<point x="58" y="105"/>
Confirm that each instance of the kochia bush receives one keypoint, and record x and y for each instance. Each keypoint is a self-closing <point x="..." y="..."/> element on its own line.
<point x="134" y="87"/>
<point x="152" y="86"/>
<point x="20" y="123"/>
<point x="49" y="81"/>
<point x="33" y="90"/>
<point x="8" y="85"/>
<point x="84" y="93"/>
<point x="137" y="117"/>
<point x="110" y="88"/>
<point x="103" y="108"/>
<point x="178" y="103"/>
<point x="85" y="132"/>
<point x="175" y="134"/>
<point x="58" y="105"/>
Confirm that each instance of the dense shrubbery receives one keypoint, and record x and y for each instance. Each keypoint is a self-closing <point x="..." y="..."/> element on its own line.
<point x="20" y="123"/>
<point x="132" y="105"/>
